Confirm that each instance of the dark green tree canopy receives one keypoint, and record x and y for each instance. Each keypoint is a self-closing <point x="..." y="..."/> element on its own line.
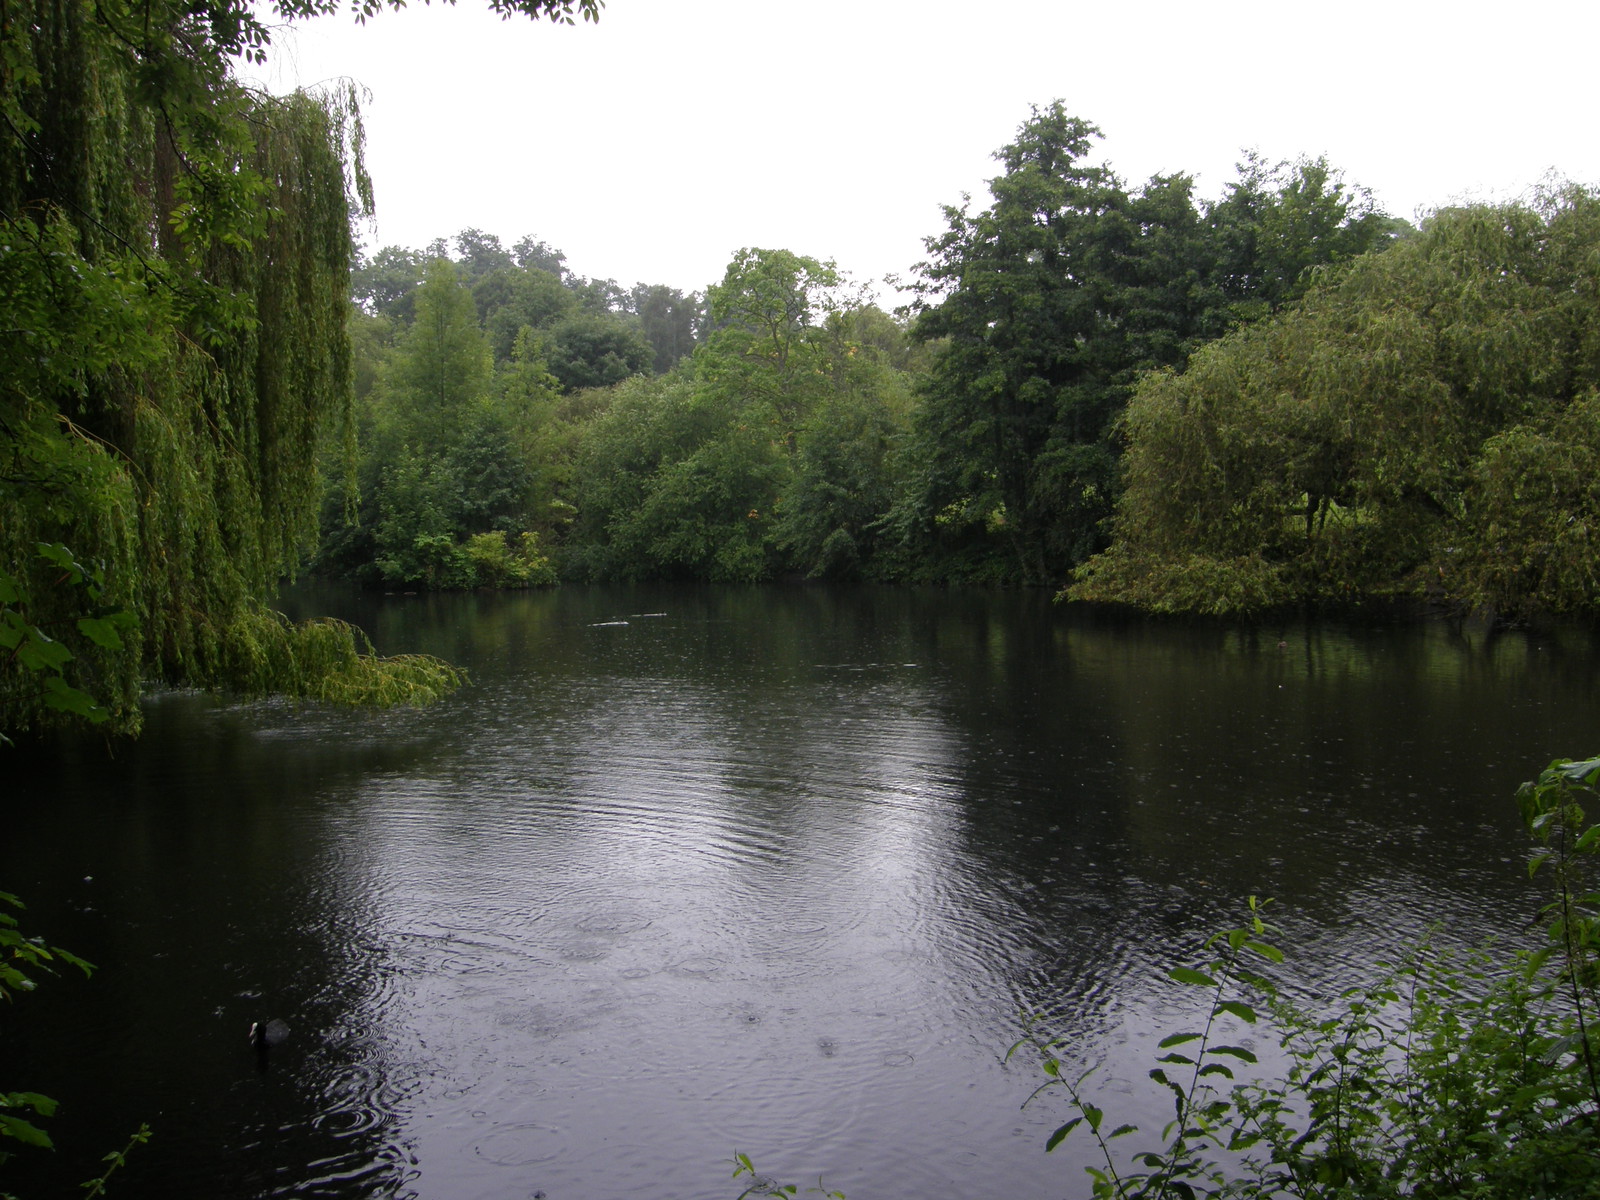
<point x="174" y="353"/>
<point x="1421" y="424"/>
<point x="1045" y="307"/>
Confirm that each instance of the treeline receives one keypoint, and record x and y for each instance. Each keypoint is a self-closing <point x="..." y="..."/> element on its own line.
<point x="1424" y="425"/>
<point x="475" y="367"/>
<point x="1277" y="397"/>
<point x="520" y="423"/>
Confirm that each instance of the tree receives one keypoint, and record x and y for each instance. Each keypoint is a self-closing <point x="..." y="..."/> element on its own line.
<point x="510" y="301"/>
<point x="441" y="364"/>
<point x="452" y="455"/>
<point x="1045" y="308"/>
<point x="1017" y="402"/>
<point x="669" y="320"/>
<point x="384" y="285"/>
<point x="1277" y="222"/>
<point x="675" y="481"/>
<point x="1421" y="423"/>
<point x="587" y="350"/>
<point x="762" y="318"/>
<point x="478" y="253"/>
<point x="771" y="449"/>
<point x="173" y="344"/>
<point x="842" y="478"/>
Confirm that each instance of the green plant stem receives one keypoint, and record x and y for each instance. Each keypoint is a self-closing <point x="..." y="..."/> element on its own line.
<point x="117" y="1158"/>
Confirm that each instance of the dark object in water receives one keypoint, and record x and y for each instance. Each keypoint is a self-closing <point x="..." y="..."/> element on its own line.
<point x="266" y="1034"/>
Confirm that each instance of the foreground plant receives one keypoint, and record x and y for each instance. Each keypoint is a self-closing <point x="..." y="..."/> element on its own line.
<point x="765" y="1185"/>
<point x="1468" y="1076"/>
<point x="22" y="960"/>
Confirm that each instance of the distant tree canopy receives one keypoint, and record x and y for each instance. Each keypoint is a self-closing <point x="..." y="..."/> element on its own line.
<point x="783" y="426"/>
<point x="1424" y="423"/>
<point x="174" y="258"/>
<point x="771" y="451"/>
<point x="625" y="433"/>
<point x="1047" y="305"/>
<point x="471" y="364"/>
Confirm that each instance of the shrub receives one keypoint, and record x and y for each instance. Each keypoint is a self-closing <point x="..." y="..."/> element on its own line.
<point x="1461" y="1077"/>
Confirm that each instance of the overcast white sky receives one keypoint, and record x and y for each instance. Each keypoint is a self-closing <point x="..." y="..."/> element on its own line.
<point x="653" y="145"/>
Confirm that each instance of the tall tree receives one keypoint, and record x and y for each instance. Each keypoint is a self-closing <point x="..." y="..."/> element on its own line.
<point x="1422" y="423"/>
<point x="1045" y="308"/>
<point x="1017" y="403"/>
<point x="173" y="348"/>
<point x="763" y="316"/>
<point x="670" y="321"/>
<point x="442" y="363"/>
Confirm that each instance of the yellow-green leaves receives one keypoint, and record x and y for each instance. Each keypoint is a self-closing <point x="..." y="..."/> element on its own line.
<point x="1422" y="423"/>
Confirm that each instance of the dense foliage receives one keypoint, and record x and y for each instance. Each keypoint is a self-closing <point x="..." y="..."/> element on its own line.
<point x="1048" y="304"/>
<point x="1423" y="423"/>
<point x="791" y="428"/>
<point x="1473" y="1076"/>
<point x="174" y="258"/>
<point x="471" y="371"/>
<point x="512" y="414"/>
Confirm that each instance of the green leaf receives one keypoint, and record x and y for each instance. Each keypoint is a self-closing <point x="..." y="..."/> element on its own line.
<point x="1120" y="1130"/>
<point x="63" y="697"/>
<point x="1056" y="1138"/>
<point x="23" y="1131"/>
<point x="62" y="557"/>
<point x="43" y="1105"/>
<point x="102" y="631"/>
<point x="1177" y="1039"/>
<point x="1243" y="1011"/>
<point x="67" y="956"/>
<point x="1587" y="771"/>
<point x="1190" y="975"/>
<point x="41" y="653"/>
<point x="1236" y="1051"/>
<point x="1271" y="953"/>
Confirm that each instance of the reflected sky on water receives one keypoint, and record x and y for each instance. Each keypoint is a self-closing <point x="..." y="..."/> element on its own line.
<point x="689" y="871"/>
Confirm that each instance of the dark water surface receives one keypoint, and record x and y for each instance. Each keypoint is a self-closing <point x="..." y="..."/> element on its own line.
<point x="691" y="871"/>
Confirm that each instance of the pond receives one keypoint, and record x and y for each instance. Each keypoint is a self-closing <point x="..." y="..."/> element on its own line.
<point x="688" y="872"/>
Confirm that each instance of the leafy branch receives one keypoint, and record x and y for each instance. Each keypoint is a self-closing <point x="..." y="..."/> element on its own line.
<point x="1448" y="1076"/>
<point x="22" y="958"/>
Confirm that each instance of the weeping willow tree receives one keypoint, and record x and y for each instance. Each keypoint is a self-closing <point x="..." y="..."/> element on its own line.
<point x="174" y="258"/>
<point x="1424" y="425"/>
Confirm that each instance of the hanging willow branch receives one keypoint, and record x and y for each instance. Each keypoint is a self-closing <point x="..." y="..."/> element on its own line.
<point x="174" y="266"/>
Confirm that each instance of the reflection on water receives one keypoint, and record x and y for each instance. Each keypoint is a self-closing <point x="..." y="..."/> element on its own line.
<point x="690" y="871"/>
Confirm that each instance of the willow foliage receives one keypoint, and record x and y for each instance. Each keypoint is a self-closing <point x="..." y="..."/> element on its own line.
<point x="1422" y="424"/>
<point x="174" y="258"/>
